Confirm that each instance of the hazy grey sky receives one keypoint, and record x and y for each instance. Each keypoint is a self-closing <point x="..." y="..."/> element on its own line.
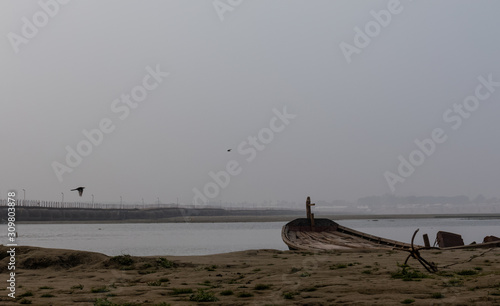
<point x="232" y="65"/>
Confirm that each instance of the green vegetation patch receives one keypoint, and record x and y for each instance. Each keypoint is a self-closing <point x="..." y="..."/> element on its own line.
<point x="124" y="260"/>
<point x="178" y="291"/>
<point x="203" y="296"/>
<point x="104" y="302"/>
<point x="294" y="269"/>
<point x="245" y="294"/>
<point x="408" y="301"/>
<point x="46" y="295"/>
<point x="338" y="266"/>
<point x="165" y="263"/>
<point x="467" y="272"/>
<point x="211" y="268"/>
<point x="454" y="283"/>
<point x="408" y="274"/>
<point x="154" y="283"/>
<point x="27" y="293"/>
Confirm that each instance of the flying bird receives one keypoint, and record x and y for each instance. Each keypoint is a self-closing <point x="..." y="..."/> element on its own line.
<point x="229" y="150"/>
<point x="79" y="189"/>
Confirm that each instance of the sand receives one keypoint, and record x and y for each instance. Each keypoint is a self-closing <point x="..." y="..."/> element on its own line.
<point x="254" y="277"/>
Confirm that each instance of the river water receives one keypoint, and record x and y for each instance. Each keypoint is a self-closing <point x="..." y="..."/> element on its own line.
<point x="145" y="239"/>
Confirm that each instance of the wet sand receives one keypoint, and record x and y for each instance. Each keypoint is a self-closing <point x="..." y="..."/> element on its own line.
<point x="254" y="277"/>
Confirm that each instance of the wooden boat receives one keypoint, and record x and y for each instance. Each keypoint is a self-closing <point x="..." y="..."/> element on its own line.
<point x="324" y="234"/>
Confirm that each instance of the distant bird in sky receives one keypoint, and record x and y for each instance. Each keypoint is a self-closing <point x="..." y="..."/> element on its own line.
<point x="79" y="189"/>
<point x="229" y="150"/>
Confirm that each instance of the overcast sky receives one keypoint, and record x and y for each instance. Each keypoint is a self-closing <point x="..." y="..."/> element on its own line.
<point x="334" y="98"/>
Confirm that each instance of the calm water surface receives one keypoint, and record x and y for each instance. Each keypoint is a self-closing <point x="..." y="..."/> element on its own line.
<point x="144" y="239"/>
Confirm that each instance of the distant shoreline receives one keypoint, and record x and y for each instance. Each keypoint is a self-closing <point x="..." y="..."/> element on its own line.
<point x="272" y="218"/>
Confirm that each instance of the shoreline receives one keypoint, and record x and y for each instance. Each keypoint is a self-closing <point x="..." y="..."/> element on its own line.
<point x="270" y="218"/>
<point x="254" y="277"/>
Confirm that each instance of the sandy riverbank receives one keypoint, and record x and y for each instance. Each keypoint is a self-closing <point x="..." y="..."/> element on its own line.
<point x="255" y="277"/>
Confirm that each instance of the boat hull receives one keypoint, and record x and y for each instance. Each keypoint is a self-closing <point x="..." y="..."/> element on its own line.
<point x="329" y="235"/>
<point x="326" y="235"/>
